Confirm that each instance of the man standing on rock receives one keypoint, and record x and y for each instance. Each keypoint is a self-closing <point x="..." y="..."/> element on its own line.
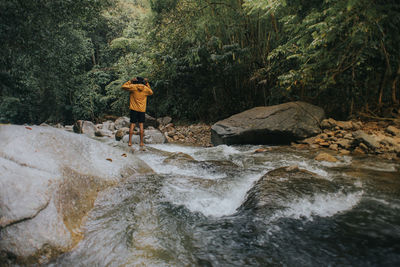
<point x="139" y="89"/>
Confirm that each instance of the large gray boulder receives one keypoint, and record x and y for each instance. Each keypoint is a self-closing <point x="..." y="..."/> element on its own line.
<point x="49" y="180"/>
<point x="279" y="124"/>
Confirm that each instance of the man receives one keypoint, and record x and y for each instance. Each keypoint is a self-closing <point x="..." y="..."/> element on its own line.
<point x="139" y="89"/>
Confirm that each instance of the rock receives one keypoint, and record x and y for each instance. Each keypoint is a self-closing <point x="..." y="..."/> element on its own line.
<point x="369" y="140"/>
<point x="324" y="144"/>
<point x="325" y="157"/>
<point x="328" y="123"/>
<point x="309" y="141"/>
<point x="393" y="130"/>
<point x="121" y="133"/>
<point x="150" y="137"/>
<point x="69" y="128"/>
<point x="277" y="189"/>
<point x="109" y="125"/>
<point x="323" y="136"/>
<point x="49" y="180"/>
<point x="150" y="121"/>
<point x="345" y="125"/>
<point x="392" y="143"/>
<point x="78" y="126"/>
<point x="345" y="143"/>
<point x="364" y="147"/>
<point x="154" y="137"/>
<point x="179" y="158"/>
<point x="171" y="133"/>
<point x="333" y="147"/>
<point x="88" y="128"/>
<point x="169" y="126"/>
<point x="122" y="122"/>
<point x="135" y="139"/>
<point x="103" y="132"/>
<point x="348" y="136"/>
<point x="164" y="120"/>
<point x="279" y="124"/>
<point x="84" y="127"/>
<point x="358" y="150"/>
<point x="300" y="146"/>
<point x="344" y="152"/>
<point x="357" y="125"/>
<point x="262" y="150"/>
<point x="98" y="133"/>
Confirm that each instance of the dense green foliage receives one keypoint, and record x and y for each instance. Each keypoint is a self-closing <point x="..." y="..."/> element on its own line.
<point x="63" y="60"/>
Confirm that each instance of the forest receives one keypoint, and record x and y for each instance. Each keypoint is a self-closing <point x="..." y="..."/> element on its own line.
<point x="64" y="60"/>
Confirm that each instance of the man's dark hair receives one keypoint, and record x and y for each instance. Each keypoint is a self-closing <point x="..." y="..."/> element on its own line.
<point x="140" y="80"/>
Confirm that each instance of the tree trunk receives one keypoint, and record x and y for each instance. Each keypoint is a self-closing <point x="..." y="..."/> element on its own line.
<point x="394" y="86"/>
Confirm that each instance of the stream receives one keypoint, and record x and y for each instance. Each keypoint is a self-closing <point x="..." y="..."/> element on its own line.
<point x="193" y="212"/>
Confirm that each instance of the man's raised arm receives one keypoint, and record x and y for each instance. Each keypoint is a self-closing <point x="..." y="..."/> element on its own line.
<point x="129" y="86"/>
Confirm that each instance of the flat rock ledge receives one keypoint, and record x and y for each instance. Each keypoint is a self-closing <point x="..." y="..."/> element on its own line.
<point x="49" y="181"/>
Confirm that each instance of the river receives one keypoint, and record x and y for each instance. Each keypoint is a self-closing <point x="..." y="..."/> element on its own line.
<point x="193" y="212"/>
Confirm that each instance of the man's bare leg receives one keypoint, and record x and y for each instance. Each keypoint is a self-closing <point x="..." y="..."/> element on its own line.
<point x="131" y="133"/>
<point x="141" y="135"/>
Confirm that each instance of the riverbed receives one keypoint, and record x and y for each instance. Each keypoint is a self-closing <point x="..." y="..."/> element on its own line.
<point x="191" y="212"/>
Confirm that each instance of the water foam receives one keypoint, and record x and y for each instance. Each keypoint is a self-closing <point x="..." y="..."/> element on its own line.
<point x="218" y="199"/>
<point x="322" y="205"/>
<point x="156" y="163"/>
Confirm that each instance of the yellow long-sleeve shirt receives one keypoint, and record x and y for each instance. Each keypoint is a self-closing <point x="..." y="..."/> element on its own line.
<point x="137" y="95"/>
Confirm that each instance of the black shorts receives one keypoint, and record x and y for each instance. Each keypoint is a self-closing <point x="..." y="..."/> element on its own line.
<point x="137" y="116"/>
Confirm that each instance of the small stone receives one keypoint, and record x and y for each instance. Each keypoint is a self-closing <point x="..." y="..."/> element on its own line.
<point x="323" y="136"/>
<point x="325" y="157"/>
<point x="345" y="143"/>
<point x="339" y="135"/>
<point x="348" y="136"/>
<point x="292" y="168"/>
<point x="333" y="147"/>
<point x="345" y="125"/>
<point x="261" y="150"/>
<point x="344" y="152"/>
<point x="363" y="147"/>
<point x="98" y="133"/>
<point x="121" y="132"/>
<point x="69" y="128"/>
<point x="393" y="130"/>
<point x="358" y="150"/>
<point x="324" y="144"/>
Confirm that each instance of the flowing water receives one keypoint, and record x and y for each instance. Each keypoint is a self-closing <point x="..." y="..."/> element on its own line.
<point x="192" y="213"/>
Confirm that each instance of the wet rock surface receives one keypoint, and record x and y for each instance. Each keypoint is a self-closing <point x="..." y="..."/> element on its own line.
<point x="49" y="181"/>
<point x="279" y="187"/>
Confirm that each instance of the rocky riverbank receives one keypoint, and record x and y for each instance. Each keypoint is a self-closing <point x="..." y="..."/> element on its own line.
<point x="378" y="138"/>
<point x="357" y="138"/>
